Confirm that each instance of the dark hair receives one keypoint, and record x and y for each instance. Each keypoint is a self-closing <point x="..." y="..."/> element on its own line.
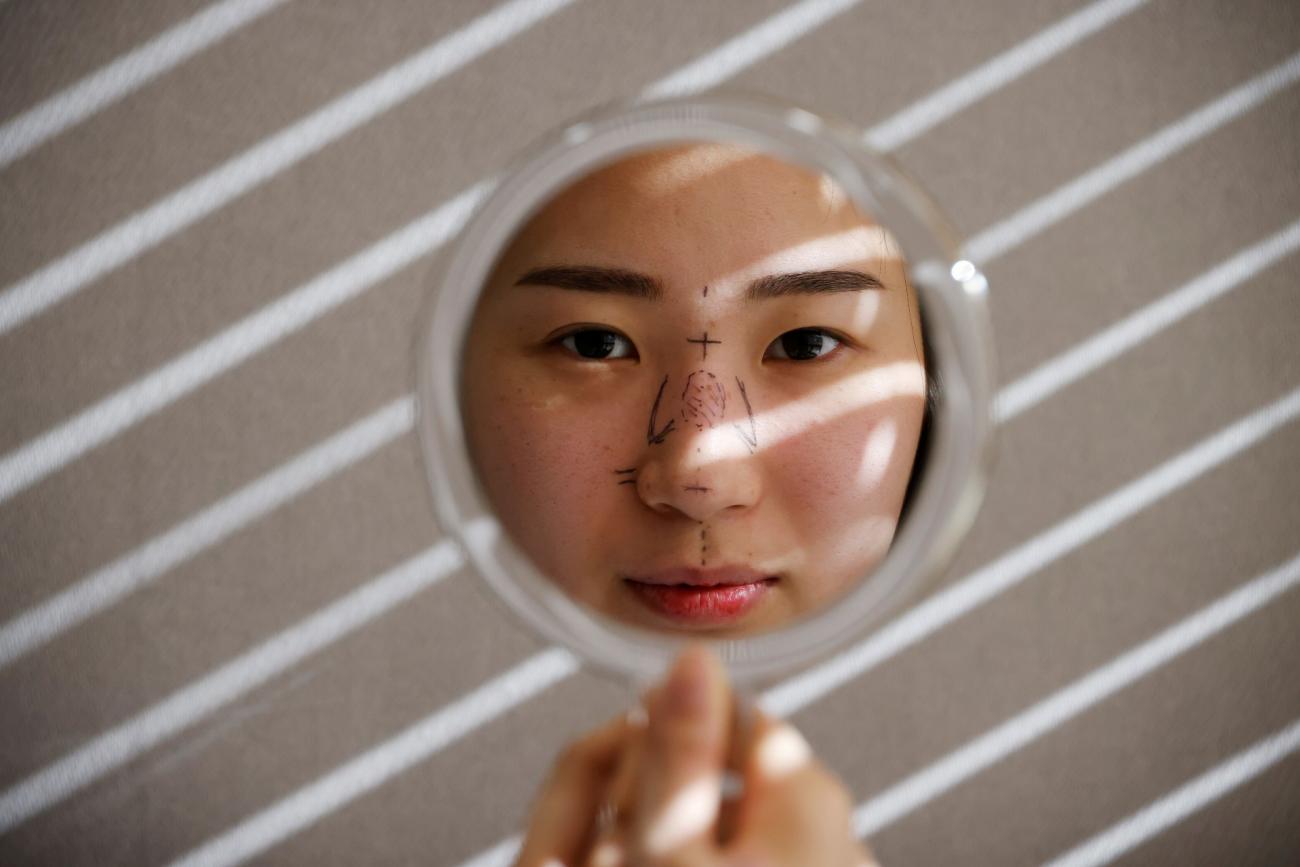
<point x="933" y="390"/>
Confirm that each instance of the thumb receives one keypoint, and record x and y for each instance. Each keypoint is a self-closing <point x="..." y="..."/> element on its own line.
<point x="686" y="743"/>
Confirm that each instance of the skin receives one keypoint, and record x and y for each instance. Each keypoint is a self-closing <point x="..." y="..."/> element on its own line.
<point x="663" y="778"/>
<point x="767" y="451"/>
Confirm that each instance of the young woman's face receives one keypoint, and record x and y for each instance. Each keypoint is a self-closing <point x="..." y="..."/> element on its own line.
<point x="693" y="390"/>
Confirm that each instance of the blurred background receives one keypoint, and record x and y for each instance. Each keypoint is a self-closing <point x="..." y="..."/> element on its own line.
<point x="230" y="633"/>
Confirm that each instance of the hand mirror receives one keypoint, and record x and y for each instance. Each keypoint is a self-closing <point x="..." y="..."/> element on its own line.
<point x="705" y="368"/>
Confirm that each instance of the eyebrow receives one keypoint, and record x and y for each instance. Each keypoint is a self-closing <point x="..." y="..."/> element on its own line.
<point x="617" y="281"/>
<point x="583" y="278"/>
<point x="811" y="283"/>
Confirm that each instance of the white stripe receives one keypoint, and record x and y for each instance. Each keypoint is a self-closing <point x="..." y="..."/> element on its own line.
<point x="1060" y="707"/>
<point x="1183" y="801"/>
<point x="146" y="229"/>
<point x="997" y="73"/>
<point x="54" y="449"/>
<point x="126" y="74"/>
<point x="737" y="54"/>
<point x="372" y="769"/>
<point x="1087" y="188"/>
<point x="183" y="708"/>
<point x="1030" y="557"/>
<point x="1068" y="367"/>
<point x="91" y="427"/>
<point x="783" y="699"/>
<point x="136" y="569"/>
<point x="501" y="855"/>
<point x="925" y="620"/>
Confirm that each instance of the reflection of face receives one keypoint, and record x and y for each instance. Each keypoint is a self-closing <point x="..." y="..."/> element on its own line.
<point x="693" y="389"/>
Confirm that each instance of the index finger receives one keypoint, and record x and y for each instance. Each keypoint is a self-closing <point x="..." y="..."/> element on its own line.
<point x="679" y="790"/>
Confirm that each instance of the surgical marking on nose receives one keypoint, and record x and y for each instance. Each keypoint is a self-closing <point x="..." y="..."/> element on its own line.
<point x="631" y="481"/>
<point x="704" y="341"/>
<point x="696" y="488"/>
<point x="704" y="400"/>
<point x="651" y="437"/>
<point x="749" y="437"/>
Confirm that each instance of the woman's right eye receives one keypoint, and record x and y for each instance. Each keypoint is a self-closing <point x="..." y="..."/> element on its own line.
<point x="598" y="344"/>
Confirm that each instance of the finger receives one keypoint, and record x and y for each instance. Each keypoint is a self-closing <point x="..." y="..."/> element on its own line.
<point x="678" y="791"/>
<point x="793" y="807"/>
<point x="560" y="824"/>
<point x="609" y="843"/>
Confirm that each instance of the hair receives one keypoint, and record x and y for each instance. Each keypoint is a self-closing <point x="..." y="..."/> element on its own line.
<point x="933" y="391"/>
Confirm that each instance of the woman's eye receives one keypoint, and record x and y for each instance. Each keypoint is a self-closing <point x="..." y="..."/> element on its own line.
<point x="597" y="344"/>
<point x="802" y="344"/>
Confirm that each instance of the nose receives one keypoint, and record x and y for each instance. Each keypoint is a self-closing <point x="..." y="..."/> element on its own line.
<point x="700" y="453"/>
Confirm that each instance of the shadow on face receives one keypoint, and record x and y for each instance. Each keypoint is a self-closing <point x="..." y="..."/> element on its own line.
<point x="693" y="390"/>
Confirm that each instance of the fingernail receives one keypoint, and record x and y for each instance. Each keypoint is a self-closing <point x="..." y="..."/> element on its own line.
<point x="686" y="693"/>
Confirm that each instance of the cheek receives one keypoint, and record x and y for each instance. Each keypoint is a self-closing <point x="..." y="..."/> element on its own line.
<point x="548" y="468"/>
<point x="854" y="463"/>
<point x="840" y="486"/>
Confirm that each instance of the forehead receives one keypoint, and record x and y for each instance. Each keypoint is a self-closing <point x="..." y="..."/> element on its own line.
<point x="691" y="213"/>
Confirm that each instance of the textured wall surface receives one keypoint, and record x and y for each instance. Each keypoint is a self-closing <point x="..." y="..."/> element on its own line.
<point x="228" y="630"/>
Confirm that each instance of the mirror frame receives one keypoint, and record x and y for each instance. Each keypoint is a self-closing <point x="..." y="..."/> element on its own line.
<point x="952" y="293"/>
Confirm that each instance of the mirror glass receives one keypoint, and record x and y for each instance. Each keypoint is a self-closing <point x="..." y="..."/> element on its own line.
<point x="680" y="379"/>
<point x="694" y="388"/>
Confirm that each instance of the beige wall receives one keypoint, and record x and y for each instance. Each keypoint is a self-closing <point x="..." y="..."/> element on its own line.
<point x="118" y="744"/>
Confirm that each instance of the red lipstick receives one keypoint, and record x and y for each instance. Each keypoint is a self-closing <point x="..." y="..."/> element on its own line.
<point x="701" y="596"/>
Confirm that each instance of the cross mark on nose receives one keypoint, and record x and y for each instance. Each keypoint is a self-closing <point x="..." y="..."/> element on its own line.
<point x="704" y="342"/>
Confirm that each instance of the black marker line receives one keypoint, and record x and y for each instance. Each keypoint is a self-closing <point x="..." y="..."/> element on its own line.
<point x="628" y="482"/>
<point x="696" y="488"/>
<point x="625" y="472"/>
<point x="751" y="438"/>
<point x="653" y="438"/>
<point x="704" y="343"/>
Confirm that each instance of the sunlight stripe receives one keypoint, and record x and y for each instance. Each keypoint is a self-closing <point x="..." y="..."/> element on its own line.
<point x="244" y="506"/>
<point x="51" y="451"/>
<point x="372" y="769"/>
<point x="119" y="745"/>
<point x="997" y="73"/>
<point x="1160" y="815"/>
<point x="1031" y="557"/>
<point x="166" y="217"/>
<point x="738" y="54"/>
<point x="218" y="354"/>
<point x="1067" y="703"/>
<point x="1131" y="331"/>
<point x="54" y="449"/>
<point x="125" y="75"/>
<point x="238" y="510"/>
<point x="1009" y="570"/>
<point x="800" y="691"/>
<point x="1087" y="188"/>
<point x="136" y="569"/>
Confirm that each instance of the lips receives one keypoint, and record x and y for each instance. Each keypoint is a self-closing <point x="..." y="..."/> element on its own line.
<point x="701" y="596"/>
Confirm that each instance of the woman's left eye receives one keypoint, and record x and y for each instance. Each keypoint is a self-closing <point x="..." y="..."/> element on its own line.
<point x="802" y="344"/>
<point x="597" y="344"/>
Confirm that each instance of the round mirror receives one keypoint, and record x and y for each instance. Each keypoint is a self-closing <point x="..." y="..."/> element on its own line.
<point x="705" y="368"/>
